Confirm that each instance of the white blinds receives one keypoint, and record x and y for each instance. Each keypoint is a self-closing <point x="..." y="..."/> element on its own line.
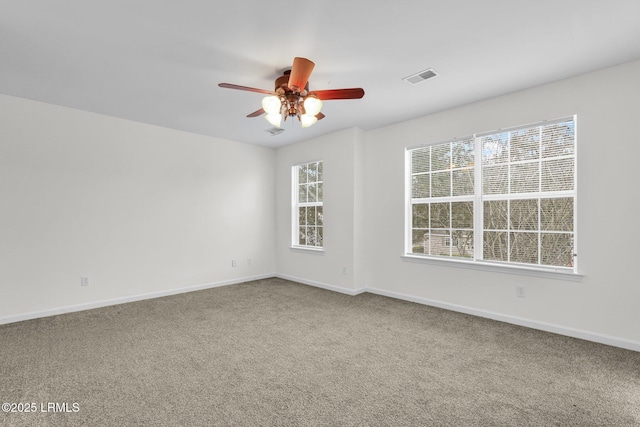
<point x="530" y="160"/>
<point x="524" y="209"/>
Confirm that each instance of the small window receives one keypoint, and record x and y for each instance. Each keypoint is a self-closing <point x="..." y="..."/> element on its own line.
<point x="308" y="210"/>
<point x="449" y="241"/>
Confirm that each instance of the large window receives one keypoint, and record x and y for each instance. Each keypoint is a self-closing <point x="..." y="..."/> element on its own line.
<point x="500" y="197"/>
<point x="307" y="205"/>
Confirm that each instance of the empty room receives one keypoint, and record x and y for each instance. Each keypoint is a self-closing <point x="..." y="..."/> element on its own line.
<point x="319" y="213"/>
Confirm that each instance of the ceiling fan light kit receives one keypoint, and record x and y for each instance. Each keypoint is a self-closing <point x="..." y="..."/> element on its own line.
<point x="274" y="119"/>
<point x="307" y="120"/>
<point x="312" y="105"/>
<point x="271" y="104"/>
<point x="292" y="98"/>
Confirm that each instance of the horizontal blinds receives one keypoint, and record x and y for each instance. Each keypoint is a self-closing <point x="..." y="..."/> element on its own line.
<point x="529" y="160"/>
<point x="522" y="211"/>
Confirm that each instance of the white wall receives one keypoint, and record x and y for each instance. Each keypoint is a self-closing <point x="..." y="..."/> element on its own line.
<point x="342" y="172"/>
<point x="368" y="236"/>
<point x="139" y="209"/>
<point x="605" y="305"/>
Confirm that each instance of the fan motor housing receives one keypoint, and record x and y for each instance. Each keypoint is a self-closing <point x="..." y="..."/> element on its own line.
<point x="282" y="83"/>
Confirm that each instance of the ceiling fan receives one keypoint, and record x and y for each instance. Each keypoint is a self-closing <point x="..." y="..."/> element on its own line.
<point x="292" y="97"/>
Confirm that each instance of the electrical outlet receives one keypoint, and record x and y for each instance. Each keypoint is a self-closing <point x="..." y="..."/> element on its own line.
<point x="249" y="262"/>
<point x="233" y="263"/>
<point x="344" y="270"/>
<point x="84" y="281"/>
<point x="520" y="291"/>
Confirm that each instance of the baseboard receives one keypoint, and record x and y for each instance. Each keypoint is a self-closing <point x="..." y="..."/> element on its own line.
<point x="533" y="324"/>
<point x="132" y="298"/>
<point x="543" y="326"/>
<point x="328" y="287"/>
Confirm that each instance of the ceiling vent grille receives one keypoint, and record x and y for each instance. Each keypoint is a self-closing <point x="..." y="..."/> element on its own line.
<point x="275" y="131"/>
<point x="420" y="76"/>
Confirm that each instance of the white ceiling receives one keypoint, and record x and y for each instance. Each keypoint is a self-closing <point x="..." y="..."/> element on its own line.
<point x="159" y="61"/>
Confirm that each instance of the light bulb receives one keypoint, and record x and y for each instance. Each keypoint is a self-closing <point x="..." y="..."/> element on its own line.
<point x="271" y="104"/>
<point x="306" y="120"/>
<point x="274" y="119"/>
<point x="312" y="105"/>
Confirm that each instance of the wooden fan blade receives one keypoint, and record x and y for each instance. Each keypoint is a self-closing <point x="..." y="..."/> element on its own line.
<point x="300" y="73"/>
<point x="320" y="116"/>
<point x="247" y="88"/>
<point x="351" y="93"/>
<point x="257" y="113"/>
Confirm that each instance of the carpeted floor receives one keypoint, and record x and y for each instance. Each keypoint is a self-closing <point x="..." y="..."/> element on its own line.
<point x="273" y="352"/>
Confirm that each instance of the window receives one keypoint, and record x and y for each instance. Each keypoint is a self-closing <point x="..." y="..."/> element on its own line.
<point x="448" y="242"/>
<point x="500" y="197"/>
<point x="307" y="205"/>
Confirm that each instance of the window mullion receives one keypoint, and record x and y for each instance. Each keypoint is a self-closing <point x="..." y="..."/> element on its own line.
<point x="540" y="136"/>
<point x="408" y="214"/>
<point x="539" y="231"/>
<point x="478" y="205"/>
<point x="509" y="169"/>
<point x="295" y="215"/>
<point x="450" y="195"/>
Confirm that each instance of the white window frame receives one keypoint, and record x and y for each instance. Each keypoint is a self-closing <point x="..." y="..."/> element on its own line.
<point x="297" y="204"/>
<point x="476" y="260"/>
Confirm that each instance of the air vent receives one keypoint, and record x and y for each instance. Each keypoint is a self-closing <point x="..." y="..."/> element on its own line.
<point x="275" y="131"/>
<point x="421" y="76"/>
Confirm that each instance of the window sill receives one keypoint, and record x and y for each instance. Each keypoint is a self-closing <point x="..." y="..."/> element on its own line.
<point x="307" y="249"/>
<point x="496" y="268"/>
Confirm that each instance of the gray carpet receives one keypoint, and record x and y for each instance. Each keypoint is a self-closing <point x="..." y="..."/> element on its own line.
<point x="273" y="352"/>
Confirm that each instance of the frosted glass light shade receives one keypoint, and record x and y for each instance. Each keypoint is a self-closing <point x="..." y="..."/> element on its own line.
<point x="271" y="104"/>
<point x="312" y="106"/>
<point x="306" y="120"/>
<point x="274" y="119"/>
